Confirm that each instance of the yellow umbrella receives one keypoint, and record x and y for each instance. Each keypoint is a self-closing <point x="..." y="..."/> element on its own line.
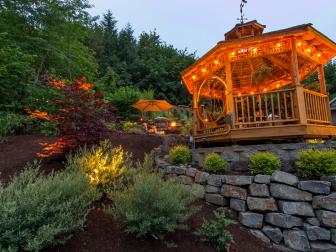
<point x="152" y="105"/>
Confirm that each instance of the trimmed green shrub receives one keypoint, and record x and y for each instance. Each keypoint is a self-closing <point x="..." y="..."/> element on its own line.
<point x="213" y="163"/>
<point x="101" y="164"/>
<point x="316" y="163"/>
<point x="264" y="163"/>
<point x="214" y="232"/>
<point x="153" y="207"/>
<point x="39" y="211"/>
<point x="179" y="155"/>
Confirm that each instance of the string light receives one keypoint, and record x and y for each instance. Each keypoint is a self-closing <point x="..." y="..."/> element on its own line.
<point x="299" y="43"/>
<point x="319" y="55"/>
<point x="265" y="89"/>
<point x="252" y="92"/>
<point x="239" y="94"/>
<point x="309" y="50"/>
<point x="216" y="62"/>
<point x="278" y="45"/>
<point x="255" y="50"/>
<point x="194" y="77"/>
<point x="203" y="70"/>
<point x="232" y="54"/>
<point x="278" y="85"/>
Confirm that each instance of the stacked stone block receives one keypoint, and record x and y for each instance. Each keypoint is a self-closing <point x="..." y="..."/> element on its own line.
<point x="279" y="209"/>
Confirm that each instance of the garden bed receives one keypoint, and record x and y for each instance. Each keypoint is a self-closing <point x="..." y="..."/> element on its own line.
<point x="102" y="233"/>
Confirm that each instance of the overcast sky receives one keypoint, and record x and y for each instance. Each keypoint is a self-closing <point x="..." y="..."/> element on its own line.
<point x="199" y="24"/>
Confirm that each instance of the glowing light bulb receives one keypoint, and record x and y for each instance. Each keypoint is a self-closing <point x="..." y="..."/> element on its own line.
<point x="265" y="89"/>
<point x="252" y="92"/>
<point x="278" y="85"/>
<point x="309" y="50"/>
<point x="255" y="50"/>
<point x="216" y="62"/>
<point x="319" y="55"/>
<point x="239" y="94"/>
<point x="203" y="70"/>
<point x="299" y="44"/>
<point x="232" y="54"/>
<point x="278" y="45"/>
<point x="194" y="77"/>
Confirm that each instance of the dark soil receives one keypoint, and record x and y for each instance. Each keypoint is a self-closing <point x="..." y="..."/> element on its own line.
<point x="102" y="233"/>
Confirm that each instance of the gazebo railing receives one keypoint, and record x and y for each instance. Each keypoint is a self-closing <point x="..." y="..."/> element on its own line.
<point x="265" y="109"/>
<point x="317" y="107"/>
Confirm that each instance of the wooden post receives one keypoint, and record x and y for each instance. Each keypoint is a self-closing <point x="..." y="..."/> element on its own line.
<point x="320" y="71"/>
<point x="300" y="107"/>
<point x="229" y="88"/>
<point x="195" y="107"/>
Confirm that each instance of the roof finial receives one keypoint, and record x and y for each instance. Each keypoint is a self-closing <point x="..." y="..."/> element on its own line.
<point x="242" y="15"/>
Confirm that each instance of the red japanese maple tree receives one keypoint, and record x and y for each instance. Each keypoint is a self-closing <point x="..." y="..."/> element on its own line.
<point x="80" y="118"/>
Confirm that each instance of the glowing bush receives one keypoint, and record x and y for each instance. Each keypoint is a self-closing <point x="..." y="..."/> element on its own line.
<point x="179" y="155"/>
<point x="102" y="164"/>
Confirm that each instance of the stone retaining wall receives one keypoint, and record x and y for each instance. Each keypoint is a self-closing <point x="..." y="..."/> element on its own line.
<point x="279" y="209"/>
<point x="238" y="155"/>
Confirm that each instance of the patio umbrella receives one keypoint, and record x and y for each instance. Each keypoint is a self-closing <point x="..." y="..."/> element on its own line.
<point x="152" y="105"/>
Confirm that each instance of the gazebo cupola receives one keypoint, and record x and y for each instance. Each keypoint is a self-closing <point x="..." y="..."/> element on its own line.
<point x="244" y="30"/>
<point x="251" y="83"/>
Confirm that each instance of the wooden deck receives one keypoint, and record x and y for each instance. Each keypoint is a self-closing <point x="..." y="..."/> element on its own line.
<point x="308" y="131"/>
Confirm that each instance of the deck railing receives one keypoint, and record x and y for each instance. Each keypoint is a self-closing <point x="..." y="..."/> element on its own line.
<point x="317" y="107"/>
<point x="265" y="109"/>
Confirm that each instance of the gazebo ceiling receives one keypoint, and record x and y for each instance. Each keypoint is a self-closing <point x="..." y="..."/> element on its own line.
<point x="262" y="61"/>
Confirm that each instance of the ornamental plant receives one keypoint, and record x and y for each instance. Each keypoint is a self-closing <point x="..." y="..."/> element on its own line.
<point x="264" y="163"/>
<point x="213" y="163"/>
<point x="316" y="163"/>
<point x="39" y="211"/>
<point x="152" y="207"/>
<point x="80" y="117"/>
<point x="215" y="232"/>
<point x="179" y="155"/>
<point x="102" y="164"/>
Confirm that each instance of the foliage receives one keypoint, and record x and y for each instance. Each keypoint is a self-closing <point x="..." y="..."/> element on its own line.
<point x="179" y="155"/>
<point x="264" y="163"/>
<point x="80" y="118"/>
<point x="132" y="127"/>
<point x="215" y="164"/>
<point x="124" y="97"/>
<point x="316" y="163"/>
<point x="153" y="207"/>
<point x="15" y="72"/>
<point x="11" y="123"/>
<point x="101" y="164"/>
<point x="214" y="232"/>
<point x="38" y="211"/>
<point x="262" y="74"/>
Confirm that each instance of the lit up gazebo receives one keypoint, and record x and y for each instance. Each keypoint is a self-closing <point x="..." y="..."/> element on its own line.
<point x="249" y="86"/>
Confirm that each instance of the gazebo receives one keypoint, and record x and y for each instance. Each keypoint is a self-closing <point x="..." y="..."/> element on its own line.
<point x="249" y="86"/>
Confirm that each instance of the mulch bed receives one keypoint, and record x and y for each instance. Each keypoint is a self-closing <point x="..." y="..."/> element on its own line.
<point x="102" y="233"/>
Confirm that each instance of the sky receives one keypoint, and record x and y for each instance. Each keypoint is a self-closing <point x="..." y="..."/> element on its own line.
<point x="199" y="24"/>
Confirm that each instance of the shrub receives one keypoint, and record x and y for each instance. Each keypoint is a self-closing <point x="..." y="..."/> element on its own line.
<point x="215" y="164"/>
<point x="132" y="127"/>
<point x="101" y="164"/>
<point x="124" y="97"/>
<point x="179" y="155"/>
<point x="153" y="207"/>
<point x="316" y="163"/>
<point x="11" y="123"/>
<point x="214" y="232"/>
<point x="39" y="211"/>
<point x="264" y="163"/>
<point x="80" y="118"/>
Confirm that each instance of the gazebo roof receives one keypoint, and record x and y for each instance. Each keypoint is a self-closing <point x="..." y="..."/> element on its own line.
<point x="251" y="53"/>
